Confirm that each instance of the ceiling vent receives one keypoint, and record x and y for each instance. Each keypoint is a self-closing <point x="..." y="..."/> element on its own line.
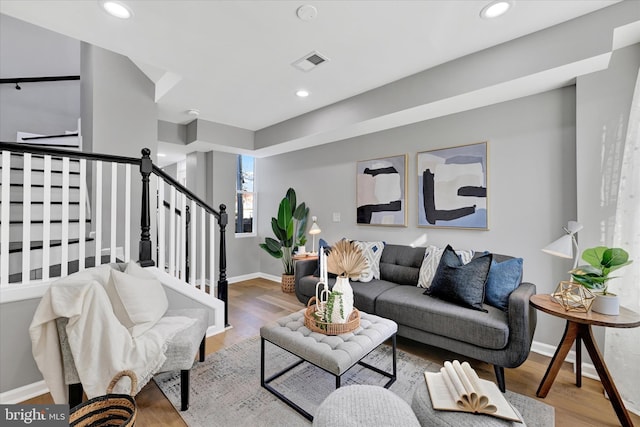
<point x="310" y="61"/>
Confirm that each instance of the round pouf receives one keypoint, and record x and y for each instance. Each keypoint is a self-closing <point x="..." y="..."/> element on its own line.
<point x="427" y="416"/>
<point x="364" y="405"/>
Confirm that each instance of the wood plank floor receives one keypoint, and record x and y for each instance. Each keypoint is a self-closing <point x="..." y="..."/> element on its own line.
<point x="255" y="302"/>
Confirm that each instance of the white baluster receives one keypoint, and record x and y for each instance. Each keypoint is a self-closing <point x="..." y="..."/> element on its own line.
<point x="161" y="225"/>
<point x="183" y="237"/>
<point x="172" y="231"/>
<point x="98" y="211"/>
<point x="64" y="238"/>
<point x="26" y="218"/>
<point x="82" y="215"/>
<point x="127" y="213"/>
<point x="203" y="251"/>
<point x="114" y="211"/>
<point x="46" y="219"/>
<point x="212" y="255"/>
<point x="193" y="256"/>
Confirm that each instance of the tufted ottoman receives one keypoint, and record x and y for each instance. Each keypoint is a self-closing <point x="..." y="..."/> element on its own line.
<point x="334" y="354"/>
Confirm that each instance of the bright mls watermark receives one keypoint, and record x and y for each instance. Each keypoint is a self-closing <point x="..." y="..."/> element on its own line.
<point x="34" y="415"/>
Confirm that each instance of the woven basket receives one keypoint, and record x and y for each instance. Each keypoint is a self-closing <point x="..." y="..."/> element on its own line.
<point x="315" y="325"/>
<point x="108" y="410"/>
<point x="288" y="283"/>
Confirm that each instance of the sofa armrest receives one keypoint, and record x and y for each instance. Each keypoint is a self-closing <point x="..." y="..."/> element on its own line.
<point x="305" y="267"/>
<point x="522" y="324"/>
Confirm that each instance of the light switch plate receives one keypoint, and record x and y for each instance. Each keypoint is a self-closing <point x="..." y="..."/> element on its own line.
<point x="336" y="217"/>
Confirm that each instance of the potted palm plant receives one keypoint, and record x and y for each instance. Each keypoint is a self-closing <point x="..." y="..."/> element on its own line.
<point x="289" y="230"/>
<point x="601" y="261"/>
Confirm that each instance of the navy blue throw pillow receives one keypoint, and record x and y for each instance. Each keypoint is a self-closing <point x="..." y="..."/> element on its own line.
<point x="459" y="283"/>
<point x="503" y="278"/>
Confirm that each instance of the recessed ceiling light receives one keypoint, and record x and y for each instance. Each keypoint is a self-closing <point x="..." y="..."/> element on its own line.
<point x="193" y="112"/>
<point x="162" y="155"/>
<point x="496" y="8"/>
<point x="302" y="93"/>
<point x="117" y="9"/>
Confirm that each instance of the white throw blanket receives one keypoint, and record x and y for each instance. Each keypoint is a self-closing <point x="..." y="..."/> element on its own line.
<point x="101" y="346"/>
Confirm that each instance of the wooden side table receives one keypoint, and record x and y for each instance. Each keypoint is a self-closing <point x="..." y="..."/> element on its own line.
<point x="579" y="329"/>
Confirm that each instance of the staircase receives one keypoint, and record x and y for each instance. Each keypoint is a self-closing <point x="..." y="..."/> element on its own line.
<point x="48" y="230"/>
<point x="40" y="192"/>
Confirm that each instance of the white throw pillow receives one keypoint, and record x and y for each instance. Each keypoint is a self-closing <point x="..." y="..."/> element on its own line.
<point x="137" y="302"/>
<point x="372" y="251"/>
<point x="431" y="261"/>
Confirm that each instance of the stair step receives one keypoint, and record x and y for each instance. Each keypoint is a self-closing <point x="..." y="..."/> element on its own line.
<point x="54" y="270"/>
<point x="37" y="162"/>
<point x="37" y="211"/>
<point x="37" y="193"/>
<point x="55" y="231"/>
<point x="15" y="247"/>
<point x="37" y="177"/>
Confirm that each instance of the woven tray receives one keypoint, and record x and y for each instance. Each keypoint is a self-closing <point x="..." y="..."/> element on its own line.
<point x="311" y="322"/>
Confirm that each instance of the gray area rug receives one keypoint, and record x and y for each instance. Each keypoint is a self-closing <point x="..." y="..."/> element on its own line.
<point x="226" y="391"/>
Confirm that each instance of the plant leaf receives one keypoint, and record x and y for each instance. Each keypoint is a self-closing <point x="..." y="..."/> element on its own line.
<point x="593" y="256"/>
<point x="614" y="257"/>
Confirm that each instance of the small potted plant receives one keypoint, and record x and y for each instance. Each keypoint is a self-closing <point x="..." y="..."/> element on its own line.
<point x="289" y="229"/>
<point x="595" y="276"/>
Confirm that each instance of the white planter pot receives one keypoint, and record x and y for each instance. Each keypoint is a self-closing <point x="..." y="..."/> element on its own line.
<point x="606" y="304"/>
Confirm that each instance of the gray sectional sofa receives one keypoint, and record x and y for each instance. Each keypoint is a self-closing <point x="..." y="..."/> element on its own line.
<point x="502" y="338"/>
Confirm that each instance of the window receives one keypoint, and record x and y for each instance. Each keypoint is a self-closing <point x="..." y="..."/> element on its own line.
<point x="245" y="201"/>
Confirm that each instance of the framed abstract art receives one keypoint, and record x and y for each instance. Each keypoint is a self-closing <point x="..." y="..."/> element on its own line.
<point x="381" y="186"/>
<point x="452" y="187"/>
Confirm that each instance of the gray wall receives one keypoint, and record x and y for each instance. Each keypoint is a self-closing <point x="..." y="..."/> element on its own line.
<point x="118" y="102"/>
<point x="532" y="184"/>
<point x="49" y="108"/>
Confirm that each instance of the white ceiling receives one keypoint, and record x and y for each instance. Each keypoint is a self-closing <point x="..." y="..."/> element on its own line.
<point x="232" y="59"/>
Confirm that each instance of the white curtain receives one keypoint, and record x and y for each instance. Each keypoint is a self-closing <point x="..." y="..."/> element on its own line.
<point x="622" y="346"/>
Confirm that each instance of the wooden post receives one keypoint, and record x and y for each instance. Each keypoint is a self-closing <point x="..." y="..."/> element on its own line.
<point x="222" y="264"/>
<point x="145" y="250"/>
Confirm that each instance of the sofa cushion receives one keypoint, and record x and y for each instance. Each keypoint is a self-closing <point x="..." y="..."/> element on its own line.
<point x="429" y="266"/>
<point x="406" y="305"/>
<point x="461" y="283"/>
<point x="401" y="264"/>
<point x="503" y="278"/>
<point x="372" y="251"/>
<point x="366" y="294"/>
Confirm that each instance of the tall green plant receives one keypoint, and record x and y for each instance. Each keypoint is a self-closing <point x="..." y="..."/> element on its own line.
<point x="601" y="261"/>
<point x="289" y="230"/>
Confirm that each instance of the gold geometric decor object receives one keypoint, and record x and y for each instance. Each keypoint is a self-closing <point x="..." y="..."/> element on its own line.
<point x="573" y="296"/>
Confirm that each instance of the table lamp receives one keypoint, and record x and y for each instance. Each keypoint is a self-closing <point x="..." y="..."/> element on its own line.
<point x="313" y="231"/>
<point x="564" y="246"/>
<point x="572" y="296"/>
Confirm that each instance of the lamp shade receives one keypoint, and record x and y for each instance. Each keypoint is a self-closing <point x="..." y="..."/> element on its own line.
<point x="562" y="247"/>
<point x="314" y="227"/>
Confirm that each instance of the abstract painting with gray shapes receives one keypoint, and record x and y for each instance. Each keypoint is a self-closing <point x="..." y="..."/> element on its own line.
<point x="380" y="193"/>
<point x="452" y="187"/>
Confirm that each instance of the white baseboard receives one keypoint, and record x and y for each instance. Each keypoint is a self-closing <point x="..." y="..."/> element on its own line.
<point x="23" y="393"/>
<point x="588" y="370"/>
<point x="242" y="277"/>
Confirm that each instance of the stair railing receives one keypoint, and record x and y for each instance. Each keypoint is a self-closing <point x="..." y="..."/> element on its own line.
<point x="18" y="235"/>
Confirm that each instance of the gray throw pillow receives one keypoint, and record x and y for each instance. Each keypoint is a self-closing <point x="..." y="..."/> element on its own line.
<point x="460" y="283"/>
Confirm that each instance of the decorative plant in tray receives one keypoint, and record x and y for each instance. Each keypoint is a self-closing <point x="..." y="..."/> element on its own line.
<point x="347" y="261"/>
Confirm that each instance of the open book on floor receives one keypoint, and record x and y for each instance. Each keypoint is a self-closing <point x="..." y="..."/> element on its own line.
<point x="457" y="387"/>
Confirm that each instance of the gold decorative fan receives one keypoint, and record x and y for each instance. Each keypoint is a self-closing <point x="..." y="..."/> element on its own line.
<point x="346" y="260"/>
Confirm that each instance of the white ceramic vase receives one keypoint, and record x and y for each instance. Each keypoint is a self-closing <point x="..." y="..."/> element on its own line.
<point x="606" y="304"/>
<point x="343" y="286"/>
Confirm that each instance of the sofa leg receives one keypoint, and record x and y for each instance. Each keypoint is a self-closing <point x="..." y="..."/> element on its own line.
<point x="184" y="389"/>
<point x="499" y="370"/>
<point x="203" y="344"/>
<point x="75" y="395"/>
